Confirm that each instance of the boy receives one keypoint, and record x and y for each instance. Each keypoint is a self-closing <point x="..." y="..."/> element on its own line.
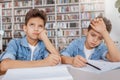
<point x="92" y="46"/>
<point x="31" y="50"/>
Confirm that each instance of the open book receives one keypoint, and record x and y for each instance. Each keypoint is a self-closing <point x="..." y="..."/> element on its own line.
<point x="109" y="71"/>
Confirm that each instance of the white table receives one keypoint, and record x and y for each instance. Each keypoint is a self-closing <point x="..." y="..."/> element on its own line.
<point x="1" y="76"/>
<point x="58" y="72"/>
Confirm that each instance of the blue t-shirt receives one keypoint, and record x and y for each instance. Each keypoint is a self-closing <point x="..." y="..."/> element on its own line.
<point x="76" y="47"/>
<point x="18" y="49"/>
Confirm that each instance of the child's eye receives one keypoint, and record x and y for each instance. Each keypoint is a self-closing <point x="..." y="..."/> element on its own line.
<point x="31" y="24"/>
<point x="93" y="35"/>
<point x="40" y="26"/>
<point x="100" y="38"/>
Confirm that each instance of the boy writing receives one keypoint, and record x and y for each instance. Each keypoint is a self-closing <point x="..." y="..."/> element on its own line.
<point x="92" y="46"/>
<point x="33" y="49"/>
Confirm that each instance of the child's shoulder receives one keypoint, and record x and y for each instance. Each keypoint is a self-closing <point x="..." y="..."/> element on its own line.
<point x="17" y="40"/>
<point x="81" y="39"/>
<point x="102" y="45"/>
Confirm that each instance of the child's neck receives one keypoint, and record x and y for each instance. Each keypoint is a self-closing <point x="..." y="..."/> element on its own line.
<point x="32" y="42"/>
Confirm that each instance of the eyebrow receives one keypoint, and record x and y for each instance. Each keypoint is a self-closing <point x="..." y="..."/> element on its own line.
<point x="95" y="35"/>
<point x="38" y="24"/>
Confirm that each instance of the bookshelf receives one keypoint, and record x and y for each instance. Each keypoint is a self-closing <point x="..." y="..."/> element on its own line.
<point x="0" y="27"/>
<point x="21" y="7"/>
<point x="89" y="10"/>
<point x="66" y="19"/>
<point x="7" y="21"/>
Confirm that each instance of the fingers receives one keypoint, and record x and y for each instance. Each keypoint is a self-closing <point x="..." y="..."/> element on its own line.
<point x="79" y="61"/>
<point x="97" y="20"/>
<point x="82" y="59"/>
<point x="92" y="26"/>
<point x="43" y="31"/>
<point x="93" y="23"/>
<point x="53" y="59"/>
<point x="42" y="34"/>
<point x="98" y="25"/>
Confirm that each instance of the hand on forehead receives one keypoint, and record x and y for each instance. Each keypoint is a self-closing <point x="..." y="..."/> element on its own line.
<point x="98" y="25"/>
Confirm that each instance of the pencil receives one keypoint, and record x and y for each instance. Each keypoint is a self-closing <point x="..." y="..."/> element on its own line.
<point x="93" y="66"/>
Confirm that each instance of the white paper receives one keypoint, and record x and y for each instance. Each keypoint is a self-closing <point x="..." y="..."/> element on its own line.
<point x="109" y="71"/>
<point x="103" y="65"/>
<point x="1" y="76"/>
<point x="41" y="73"/>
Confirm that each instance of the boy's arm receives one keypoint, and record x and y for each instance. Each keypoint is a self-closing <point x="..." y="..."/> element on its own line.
<point x="67" y="60"/>
<point x="11" y="64"/>
<point x="113" y="52"/>
<point x="77" y="61"/>
<point x="6" y="64"/>
<point x="47" y="43"/>
<point x="1" y="72"/>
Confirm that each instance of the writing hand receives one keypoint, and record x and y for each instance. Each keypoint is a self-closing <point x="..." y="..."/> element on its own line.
<point x="79" y="61"/>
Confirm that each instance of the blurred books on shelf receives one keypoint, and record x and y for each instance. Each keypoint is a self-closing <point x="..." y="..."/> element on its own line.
<point x="66" y="19"/>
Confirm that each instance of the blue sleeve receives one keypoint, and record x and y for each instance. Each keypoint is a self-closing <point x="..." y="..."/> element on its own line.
<point x="10" y="51"/>
<point x="104" y="51"/>
<point x="104" y="56"/>
<point x="46" y="53"/>
<point x="71" y="49"/>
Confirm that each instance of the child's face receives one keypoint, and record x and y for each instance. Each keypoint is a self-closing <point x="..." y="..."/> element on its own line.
<point x="93" y="39"/>
<point x="34" y="27"/>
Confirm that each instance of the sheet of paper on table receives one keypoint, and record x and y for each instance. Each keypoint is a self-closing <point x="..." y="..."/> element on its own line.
<point x="41" y="73"/>
<point x="109" y="71"/>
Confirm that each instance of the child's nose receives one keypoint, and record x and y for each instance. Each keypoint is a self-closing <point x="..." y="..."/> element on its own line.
<point x="95" y="39"/>
<point x="36" y="28"/>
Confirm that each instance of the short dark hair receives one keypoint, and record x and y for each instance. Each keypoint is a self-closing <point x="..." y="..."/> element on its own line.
<point x="106" y="21"/>
<point x="32" y="13"/>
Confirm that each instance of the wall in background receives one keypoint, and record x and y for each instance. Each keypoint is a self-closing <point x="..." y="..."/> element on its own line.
<point x="112" y="13"/>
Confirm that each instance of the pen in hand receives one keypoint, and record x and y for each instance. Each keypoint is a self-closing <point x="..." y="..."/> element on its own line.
<point x="93" y="66"/>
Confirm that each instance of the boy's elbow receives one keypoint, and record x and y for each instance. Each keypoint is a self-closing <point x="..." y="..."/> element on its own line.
<point x="115" y="60"/>
<point x="118" y="60"/>
<point x="4" y="66"/>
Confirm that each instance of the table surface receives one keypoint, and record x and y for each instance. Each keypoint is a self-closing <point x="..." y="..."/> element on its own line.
<point x="1" y="76"/>
<point x="61" y="69"/>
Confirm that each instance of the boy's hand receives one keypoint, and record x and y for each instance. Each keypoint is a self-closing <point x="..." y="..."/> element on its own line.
<point x="52" y="60"/>
<point x="98" y="25"/>
<point x="42" y="35"/>
<point x="79" y="61"/>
